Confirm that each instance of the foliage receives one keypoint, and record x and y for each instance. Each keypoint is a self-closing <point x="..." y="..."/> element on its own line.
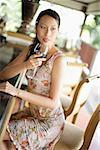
<point x="11" y="9"/>
<point x="93" y="27"/>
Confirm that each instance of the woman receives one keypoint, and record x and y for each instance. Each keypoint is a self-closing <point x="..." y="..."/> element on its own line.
<point x="40" y="126"/>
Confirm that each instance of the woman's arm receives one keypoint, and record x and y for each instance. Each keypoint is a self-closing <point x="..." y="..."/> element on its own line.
<point x="14" y="67"/>
<point x="56" y="86"/>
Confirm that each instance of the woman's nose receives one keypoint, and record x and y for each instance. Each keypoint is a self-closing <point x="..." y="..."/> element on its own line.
<point x="48" y="32"/>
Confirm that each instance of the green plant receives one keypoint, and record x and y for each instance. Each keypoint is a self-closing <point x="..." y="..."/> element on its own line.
<point x="93" y="27"/>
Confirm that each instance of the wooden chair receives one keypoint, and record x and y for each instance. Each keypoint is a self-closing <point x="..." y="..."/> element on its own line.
<point x="90" y="129"/>
<point x="73" y="74"/>
<point x="74" y="138"/>
<point x="79" y="97"/>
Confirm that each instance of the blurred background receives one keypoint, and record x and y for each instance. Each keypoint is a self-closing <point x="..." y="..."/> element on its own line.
<point x="78" y="38"/>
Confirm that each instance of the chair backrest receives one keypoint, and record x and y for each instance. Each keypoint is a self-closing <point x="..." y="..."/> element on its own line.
<point x="87" y="54"/>
<point x="72" y="76"/>
<point x="73" y="73"/>
<point x="91" y="127"/>
<point x="80" y="96"/>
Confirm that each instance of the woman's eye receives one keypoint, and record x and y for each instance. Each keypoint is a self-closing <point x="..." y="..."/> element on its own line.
<point x="53" y="29"/>
<point x="43" y="27"/>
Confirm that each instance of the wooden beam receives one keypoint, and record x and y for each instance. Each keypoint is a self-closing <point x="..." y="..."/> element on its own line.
<point x="94" y="8"/>
<point x="19" y="35"/>
<point x="69" y="3"/>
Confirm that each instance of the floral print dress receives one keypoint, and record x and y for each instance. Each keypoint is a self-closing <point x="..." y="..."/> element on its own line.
<point x="38" y="128"/>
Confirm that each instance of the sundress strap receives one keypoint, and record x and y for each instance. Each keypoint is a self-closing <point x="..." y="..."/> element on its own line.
<point x="56" y="54"/>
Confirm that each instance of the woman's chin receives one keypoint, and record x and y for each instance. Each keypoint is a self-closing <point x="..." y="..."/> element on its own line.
<point x="46" y="44"/>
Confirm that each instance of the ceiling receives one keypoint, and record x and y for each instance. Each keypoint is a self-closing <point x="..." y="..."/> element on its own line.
<point x="88" y="6"/>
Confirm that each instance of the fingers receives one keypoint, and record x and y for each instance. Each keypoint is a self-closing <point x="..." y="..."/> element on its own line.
<point x="7" y="88"/>
<point x="37" y="62"/>
<point x="32" y="63"/>
<point x="4" y="86"/>
<point x="35" y="56"/>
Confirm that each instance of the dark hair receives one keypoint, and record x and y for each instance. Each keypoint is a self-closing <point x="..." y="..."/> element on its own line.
<point x="50" y="13"/>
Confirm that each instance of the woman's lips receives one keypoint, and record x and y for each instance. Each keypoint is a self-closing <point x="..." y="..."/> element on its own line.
<point x="45" y="39"/>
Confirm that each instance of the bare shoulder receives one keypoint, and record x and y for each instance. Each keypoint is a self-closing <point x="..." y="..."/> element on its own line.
<point x="59" y="66"/>
<point x="60" y="57"/>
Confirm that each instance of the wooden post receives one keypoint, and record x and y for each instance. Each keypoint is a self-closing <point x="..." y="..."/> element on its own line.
<point x="9" y="108"/>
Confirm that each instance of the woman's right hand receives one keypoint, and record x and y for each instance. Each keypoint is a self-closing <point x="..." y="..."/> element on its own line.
<point x="34" y="61"/>
<point x="8" y="88"/>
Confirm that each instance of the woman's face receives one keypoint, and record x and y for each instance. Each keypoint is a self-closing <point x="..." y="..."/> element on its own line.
<point x="47" y="30"/>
